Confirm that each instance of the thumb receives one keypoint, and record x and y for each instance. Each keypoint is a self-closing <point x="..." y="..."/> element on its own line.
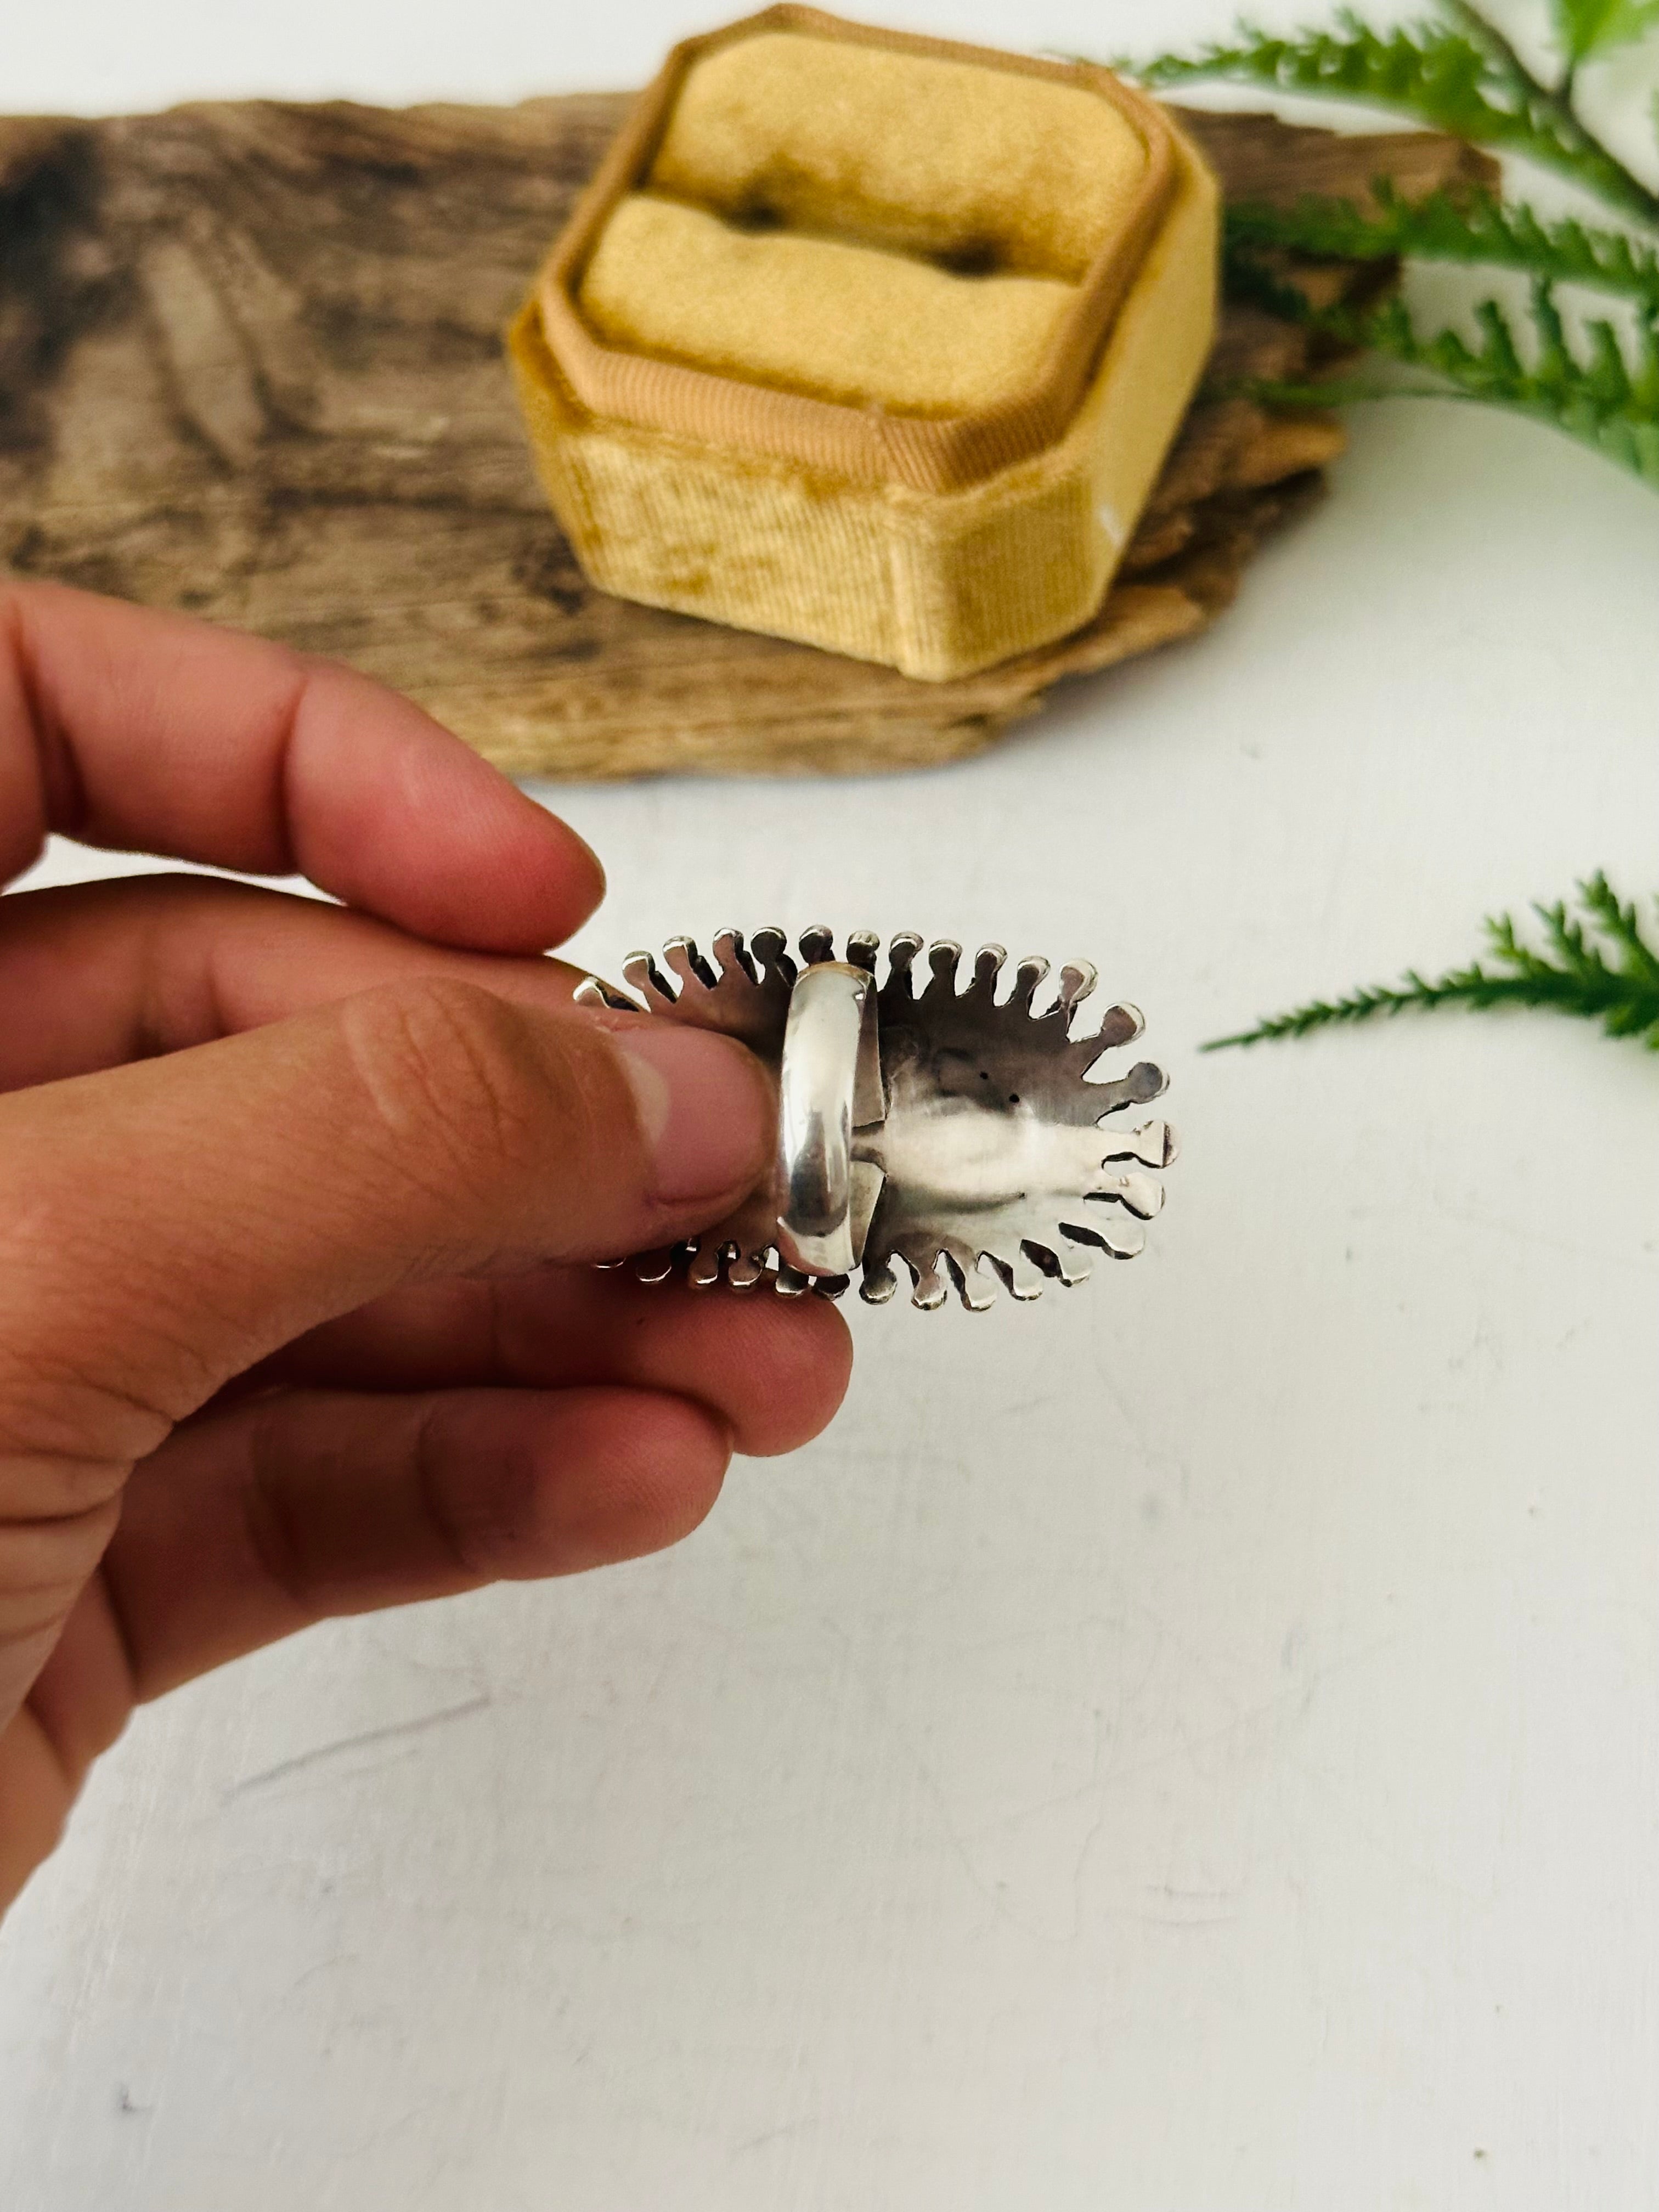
<point x="165" y="1225"/>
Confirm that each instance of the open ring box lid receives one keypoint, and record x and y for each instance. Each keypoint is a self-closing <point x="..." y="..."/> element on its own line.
<point x="870" y="340"/>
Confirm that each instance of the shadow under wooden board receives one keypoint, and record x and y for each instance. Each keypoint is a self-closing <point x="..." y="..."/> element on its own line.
<point x="251" y="366"/>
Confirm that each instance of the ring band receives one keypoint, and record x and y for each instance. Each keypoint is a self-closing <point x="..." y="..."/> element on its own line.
<point x="830" y="1084"/>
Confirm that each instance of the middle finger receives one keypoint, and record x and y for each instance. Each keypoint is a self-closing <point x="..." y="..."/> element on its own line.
<point x="95" y="974"/>
<point x="775" y="1369"/>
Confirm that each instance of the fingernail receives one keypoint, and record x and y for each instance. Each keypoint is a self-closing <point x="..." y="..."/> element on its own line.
<point x="704" y="1106"/>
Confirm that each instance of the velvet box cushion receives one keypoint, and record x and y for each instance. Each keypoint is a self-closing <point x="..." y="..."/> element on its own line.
<point x="886" y="229"/>
<point x="916" y="152"/>
<point x="816" y="315"/>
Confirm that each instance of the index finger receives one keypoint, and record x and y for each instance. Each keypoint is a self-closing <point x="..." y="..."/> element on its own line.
<point x="125" y="727"/>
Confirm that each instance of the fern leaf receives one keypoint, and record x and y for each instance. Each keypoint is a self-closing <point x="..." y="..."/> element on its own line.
<point x="1460" y="75"/>
<point x="1595" y="963"/>
<point x="1588" y="27"/>
<point x="1423" y="69"/>
<point x="1603" y="401"/>
<point x="1476" y="227"/>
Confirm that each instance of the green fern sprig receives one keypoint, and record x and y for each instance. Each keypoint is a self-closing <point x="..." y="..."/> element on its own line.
<point x="1605" y="398"/>
<point x="1422" y="68"/>
<point x="1475" y="228"/>
<point x="1595" y="964"/>
<point x="1461" y="76"/>
<point x="1559" y="138"/>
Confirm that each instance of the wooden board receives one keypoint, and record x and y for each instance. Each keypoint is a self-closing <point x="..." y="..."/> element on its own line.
<point x="251" y="366"/>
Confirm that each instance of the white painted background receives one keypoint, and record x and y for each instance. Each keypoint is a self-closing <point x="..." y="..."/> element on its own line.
<point x="1191" y="1746"/>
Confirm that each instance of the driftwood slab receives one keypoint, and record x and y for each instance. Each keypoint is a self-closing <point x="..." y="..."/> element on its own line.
<point x="251" y="366"/>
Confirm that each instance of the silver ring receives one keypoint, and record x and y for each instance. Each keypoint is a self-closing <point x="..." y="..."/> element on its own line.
<point x="967" y="1135"/>
<point x="829" y="1084"/>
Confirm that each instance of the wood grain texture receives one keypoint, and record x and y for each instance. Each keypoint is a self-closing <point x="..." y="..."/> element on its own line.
<point x="251" y="366"/>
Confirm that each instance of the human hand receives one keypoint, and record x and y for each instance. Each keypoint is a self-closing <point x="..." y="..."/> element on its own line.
<point x="295" y="1198"/>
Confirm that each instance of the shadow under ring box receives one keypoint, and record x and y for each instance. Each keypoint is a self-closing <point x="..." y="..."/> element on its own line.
<point x="870" y="341"/>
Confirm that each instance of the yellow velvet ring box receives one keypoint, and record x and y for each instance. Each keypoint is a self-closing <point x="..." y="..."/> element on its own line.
<point x="870" y="341"/>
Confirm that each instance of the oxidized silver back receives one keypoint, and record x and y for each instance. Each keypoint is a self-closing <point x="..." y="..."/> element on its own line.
<point x="980" y="1133"/>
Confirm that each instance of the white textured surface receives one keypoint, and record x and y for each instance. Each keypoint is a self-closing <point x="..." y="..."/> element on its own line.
<point x="1191" y="1746"/>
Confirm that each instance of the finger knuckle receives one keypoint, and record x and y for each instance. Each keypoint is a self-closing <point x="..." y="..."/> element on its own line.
<point x="81" y="1391"/>
<point x="454" y="1075"/>
<point x="43" y="1565"/>
<point x="475" y="1524"/>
